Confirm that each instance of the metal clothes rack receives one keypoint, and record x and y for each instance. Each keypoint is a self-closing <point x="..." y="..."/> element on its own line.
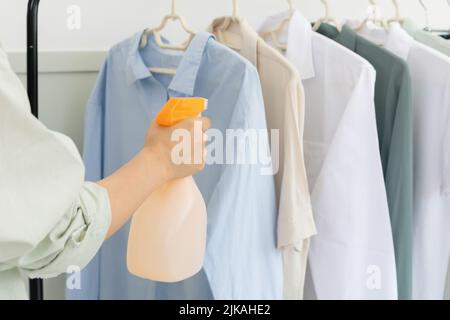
<point x="436" y="30"/>
<point x="36" y="285"/>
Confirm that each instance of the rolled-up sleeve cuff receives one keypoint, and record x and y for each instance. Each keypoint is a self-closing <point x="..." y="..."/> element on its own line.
<point x="76" y="238"/>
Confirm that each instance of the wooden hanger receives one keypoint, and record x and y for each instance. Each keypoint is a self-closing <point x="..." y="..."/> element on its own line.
<point x="327" y="18"/>
<point x="374" y="19"/>
<point x="274" y="33"/>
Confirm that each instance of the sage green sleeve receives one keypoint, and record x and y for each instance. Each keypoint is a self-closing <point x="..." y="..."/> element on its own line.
<point x="75" y="240"/>
<point x="399" y="185"/>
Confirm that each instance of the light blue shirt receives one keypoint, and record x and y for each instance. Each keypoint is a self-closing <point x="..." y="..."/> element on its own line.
<point x="242" y="261"/>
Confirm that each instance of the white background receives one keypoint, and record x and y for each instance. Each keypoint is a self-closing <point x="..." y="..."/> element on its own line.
<point x="67" y="77"/>
<point x="105" y="22"/>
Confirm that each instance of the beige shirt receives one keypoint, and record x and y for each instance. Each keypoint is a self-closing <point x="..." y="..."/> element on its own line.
<point x="285" y="107"/>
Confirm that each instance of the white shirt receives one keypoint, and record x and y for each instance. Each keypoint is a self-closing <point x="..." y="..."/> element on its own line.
<point x="352" y="257"/>
<point x="430" y="76"/>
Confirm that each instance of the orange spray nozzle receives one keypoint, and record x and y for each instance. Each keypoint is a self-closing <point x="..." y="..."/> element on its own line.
<point x="178" y="109"/>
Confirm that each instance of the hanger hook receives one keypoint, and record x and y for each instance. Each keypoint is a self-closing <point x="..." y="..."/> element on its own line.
<point x="234" y="8"/>
<point x="173" y="8"/>
<point x="427" y="14"/>
<point x="374" y="7"/>
<point x="327" y="7"/>
<point x="397" y="8"/>
<point x="291" y="5"/>
<point x="424" y="6"/>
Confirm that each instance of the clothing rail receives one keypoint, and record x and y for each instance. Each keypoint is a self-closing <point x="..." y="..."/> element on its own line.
<point x="36" y="285"/>
<point x="437" y="30"/>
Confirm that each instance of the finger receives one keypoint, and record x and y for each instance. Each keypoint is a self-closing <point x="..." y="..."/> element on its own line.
<point x="187" y="123"/>
<point x="153" y="123"/>
<point x="206" y="122"/>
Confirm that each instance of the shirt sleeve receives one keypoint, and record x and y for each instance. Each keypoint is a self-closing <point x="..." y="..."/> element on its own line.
<point x="295" y="217"/>
<point x="248" y="264"/>
<point x="352" y="255"/>
<point x="445" y="187"/>
<point x="399" y="185"/>
<point x="76" y="238"/>
<point x="49" y="217"/>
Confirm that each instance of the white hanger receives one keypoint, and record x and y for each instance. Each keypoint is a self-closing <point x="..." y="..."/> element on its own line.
<point x="327" y="17"/>
<point x="274" y="33"/>
<point x="398" y="18"/>
<point x="225" y="25"/>
<point x="173" y="16"/>
<point x="291" y="5"/>
<point x="427" y="15"/>
<point x="234" y="9"/>
<point x="374" y="19"/>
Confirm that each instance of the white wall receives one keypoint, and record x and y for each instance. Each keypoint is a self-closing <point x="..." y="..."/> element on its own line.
<point x="105" y="22"/>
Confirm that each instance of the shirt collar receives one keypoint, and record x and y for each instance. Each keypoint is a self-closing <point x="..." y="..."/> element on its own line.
<point x="399" y="41"/>
<point x="249" y="37"/>
<point x="298" y="37"/>
<point x="135" y="66"/>
<point x="186" y="76"/>
<point x="329" y="31"/>
<point x="410" y="27"/>
<point x="348" y="37"/>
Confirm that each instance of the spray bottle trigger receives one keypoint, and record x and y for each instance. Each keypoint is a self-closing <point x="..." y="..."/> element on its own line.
<point x="179" y="109"/>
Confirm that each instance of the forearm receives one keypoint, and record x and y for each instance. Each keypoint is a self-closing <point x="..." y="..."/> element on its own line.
<point x="131" y="185"/>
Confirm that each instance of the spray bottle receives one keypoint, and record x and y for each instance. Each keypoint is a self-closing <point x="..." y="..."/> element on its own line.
<point x="168" y="232"/>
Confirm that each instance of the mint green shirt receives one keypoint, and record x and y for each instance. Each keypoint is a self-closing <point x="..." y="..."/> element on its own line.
<point x="73" y="242"/>
<point x="427" y="38"/>
<point x="394" y="112"/>
<point x="50" y="219"/>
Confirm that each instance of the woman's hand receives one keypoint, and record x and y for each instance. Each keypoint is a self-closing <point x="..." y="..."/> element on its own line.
<point x="153" y="166"/>
<point x="160" y="142"/>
